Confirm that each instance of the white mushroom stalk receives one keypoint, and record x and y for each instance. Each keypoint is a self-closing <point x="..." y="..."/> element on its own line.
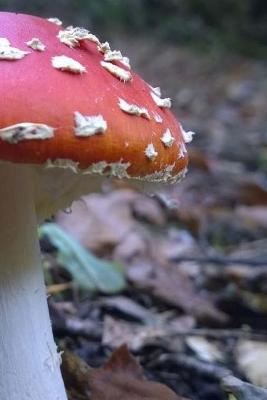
<point x="30" y="361"/>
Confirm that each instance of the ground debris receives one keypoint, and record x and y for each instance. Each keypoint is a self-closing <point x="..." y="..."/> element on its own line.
<point x="120" y="377"/>
<point x="195" y="253"/>
<point x="242" y="390"/>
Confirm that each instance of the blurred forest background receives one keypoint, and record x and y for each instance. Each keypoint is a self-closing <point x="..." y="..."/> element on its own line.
<point x="238" y="24"/>
<point x="193" y="306"/>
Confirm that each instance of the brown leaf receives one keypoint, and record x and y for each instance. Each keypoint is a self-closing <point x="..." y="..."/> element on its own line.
<point x="172" y="286"/>
<point x="122" y="378"/>
<point x="133" y="245"/>
<point x="199" y="160"/>
<point x="104" y="222"/>
<point x="176" y="289"/>
<point x="147" y="209"/>
<point x="118" y="332"/>
<point x="100" y="222"/>
<point x="122" y="361"/>
<point x="136" y="336"/>
<point x="252" y="193"/>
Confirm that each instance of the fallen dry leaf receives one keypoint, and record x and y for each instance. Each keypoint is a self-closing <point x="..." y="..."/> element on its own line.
<point x="122" y="378"/>
<point x="255" y="301"/>
<point x="251" y="358"/>
<point x="172" y="286"/>
<point x="204" y="349"/>
<point x="199" y="159"/>
<point x="253" y="216"/>
<point x="242" y="390"/>
<point x="148" y="209"/>
<point x="253" y="193"/>
<point x="102" y="221"/>
<point x="131" y="245"/>
<point x="118" y="332"/>
<point x="136" y="336"/>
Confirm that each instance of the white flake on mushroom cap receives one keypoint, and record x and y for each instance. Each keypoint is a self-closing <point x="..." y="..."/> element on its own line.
<point x="119" y="170"/>
<point x="72" y="36"/>
<point x="167" y="138"/>
<point x="163" y="103"/>
<point x="182" y="150"/>
<point x="115" y="55"/>
<point x="165" y="176"/>
<point x="116" y="169"/>
<point x="158" y="118"/>
<point x="118" y="72"/>
<point x="156" y="90"/>
<point x="133" y="109"/>
<point x="36" y="44"/>
<point x="65" y="63"/>
<point x="62" y="163"/>
<point x="126" y="61"/>
<point x="112" y="55"/>
<point x="89" y="125"/>
<point x="104" y="47"/>
<point x="4" y="42"/>
<point x="56" y="21"/>
<point x="187" y="136"/>
<point x="7" y="52"/>
<point x="150" y="152"/>
<point x="96" y="168"/>
<point x="26" y="131"/>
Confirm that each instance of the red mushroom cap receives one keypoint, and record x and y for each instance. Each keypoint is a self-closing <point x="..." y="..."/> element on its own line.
<point x="89" y="109"/>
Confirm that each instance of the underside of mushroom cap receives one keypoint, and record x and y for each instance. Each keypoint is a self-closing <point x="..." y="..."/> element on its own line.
<point x="72" y="104"/>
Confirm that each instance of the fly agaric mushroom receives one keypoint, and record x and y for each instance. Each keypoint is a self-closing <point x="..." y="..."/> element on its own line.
<point x="71" y="113"/>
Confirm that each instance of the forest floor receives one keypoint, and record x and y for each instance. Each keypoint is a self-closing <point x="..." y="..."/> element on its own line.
<point x="194" y="308"/>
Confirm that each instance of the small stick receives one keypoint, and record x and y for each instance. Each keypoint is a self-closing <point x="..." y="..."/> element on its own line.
<point x="223" y="333"/>
<point x="218" y="260"/>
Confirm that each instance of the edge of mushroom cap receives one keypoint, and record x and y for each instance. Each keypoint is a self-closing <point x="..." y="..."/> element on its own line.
<point x="57" y="188"/>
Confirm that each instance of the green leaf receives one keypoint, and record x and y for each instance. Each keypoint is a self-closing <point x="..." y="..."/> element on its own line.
<point x="88" y="271"/>
<point x="232" y="397"/>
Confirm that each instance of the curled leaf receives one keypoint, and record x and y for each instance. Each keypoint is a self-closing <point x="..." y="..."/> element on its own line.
<point x="88" y="271"/>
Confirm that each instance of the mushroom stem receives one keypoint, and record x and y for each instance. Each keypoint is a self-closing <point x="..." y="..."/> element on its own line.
<point x="29" y="360"/>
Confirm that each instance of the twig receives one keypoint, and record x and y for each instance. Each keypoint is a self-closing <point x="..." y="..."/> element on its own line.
<point x="223" y="334"/>
<point x="218" y="260"/>
<point x="243" y="390"/>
